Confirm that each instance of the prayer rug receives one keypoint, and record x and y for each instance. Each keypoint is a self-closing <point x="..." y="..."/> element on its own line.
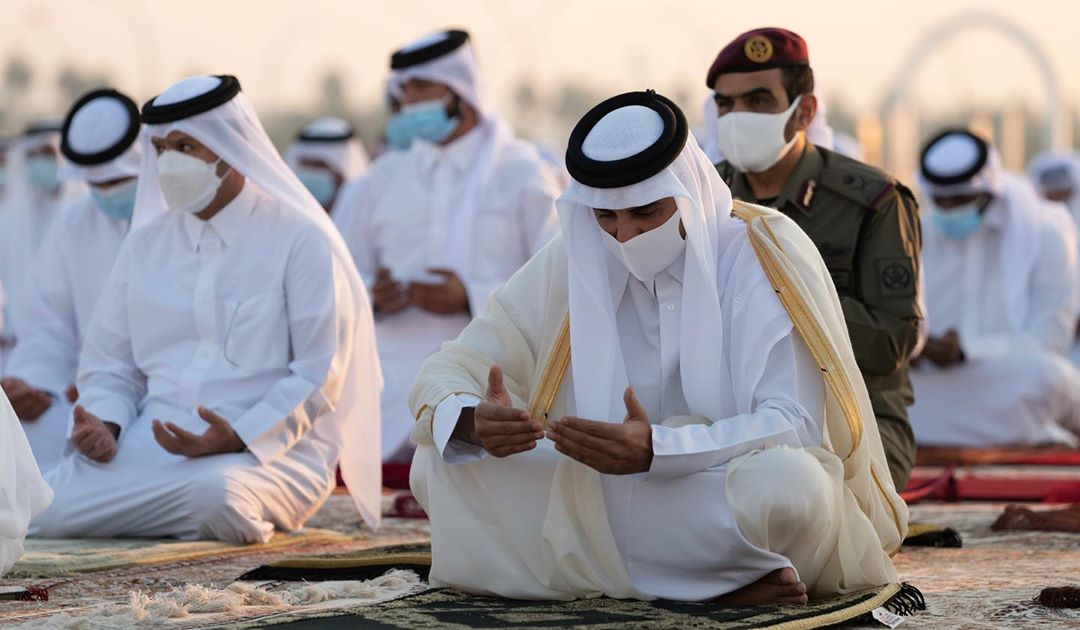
<point x="1000" y="483"/>
<point x="456" y="609"/>
<point x="361" y="564"/>
<point x="949" y="456"/>
<point x="453" y="609"/>
<point x="935" y="486"/>
<point x="46" y="558"/>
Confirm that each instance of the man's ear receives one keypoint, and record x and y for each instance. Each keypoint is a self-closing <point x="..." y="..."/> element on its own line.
<point x="805" y="112"/>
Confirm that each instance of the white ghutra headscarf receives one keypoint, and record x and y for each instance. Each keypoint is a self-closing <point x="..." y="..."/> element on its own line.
<point x="329" y="140"/>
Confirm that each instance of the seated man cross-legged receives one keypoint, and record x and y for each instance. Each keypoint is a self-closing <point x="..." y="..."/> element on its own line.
<point x="1002" y="304"/>
<point x="230" y="364"/>
<point x="662" y="403"/>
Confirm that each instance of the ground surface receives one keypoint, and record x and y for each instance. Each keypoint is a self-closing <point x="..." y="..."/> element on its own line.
<point x="989" y="583"/>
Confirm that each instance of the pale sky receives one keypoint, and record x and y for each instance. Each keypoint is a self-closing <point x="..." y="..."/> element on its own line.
<point x="281" y="48"/>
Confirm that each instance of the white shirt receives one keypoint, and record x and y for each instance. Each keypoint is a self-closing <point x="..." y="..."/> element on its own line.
<point x="68" y="277"/>
<point x="236" y="314"/>
<point x="791" y="390"/>
<point x="965" y="289"/>
<point x="401" y="214"/>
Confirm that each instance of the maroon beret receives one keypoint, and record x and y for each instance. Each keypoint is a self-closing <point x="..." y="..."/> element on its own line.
<point x="760" y="49"/>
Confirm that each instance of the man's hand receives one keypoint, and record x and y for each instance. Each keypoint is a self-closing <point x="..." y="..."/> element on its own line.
<point x="71" y="393"/>
<point x="93" y="437"/>
<point x="497" y="426"/>
<point x="444" y="298"/>
<point x="943" y="351"/>
<point x="606" y="447"/>
<point x="388" y="296"/>
<point x="218" y="438"/>
<point x="27" y="401"/>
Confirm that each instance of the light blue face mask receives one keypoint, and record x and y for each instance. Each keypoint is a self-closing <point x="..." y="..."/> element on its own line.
<point x="117" y="202"/>
<point x="320" y="182"/>
<point x="427" y="121"/>
<point x="397" y="136"/>
<point x="958" y="223"/>
<point x="42" y="173"/>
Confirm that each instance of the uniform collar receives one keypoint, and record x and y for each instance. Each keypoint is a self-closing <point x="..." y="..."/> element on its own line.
<point x="808" y="168"/>
<point x="227" y="223"/>
<point x="460" y="153"/>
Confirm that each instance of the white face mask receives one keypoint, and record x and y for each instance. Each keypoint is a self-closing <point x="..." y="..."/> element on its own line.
<point x="649" y="253"/>
<point x="754" y="142"/>
<point x="187" y="183"/>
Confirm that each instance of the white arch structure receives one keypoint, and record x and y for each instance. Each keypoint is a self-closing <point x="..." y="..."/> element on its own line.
<point x="936" y="37"/>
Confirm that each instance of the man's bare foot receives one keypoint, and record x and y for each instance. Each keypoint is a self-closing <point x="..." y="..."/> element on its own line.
<point x="782" y="586"/>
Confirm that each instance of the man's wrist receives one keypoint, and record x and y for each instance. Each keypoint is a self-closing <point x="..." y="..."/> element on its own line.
<point x="113" y="428"/>
<point x="465" y="429"/>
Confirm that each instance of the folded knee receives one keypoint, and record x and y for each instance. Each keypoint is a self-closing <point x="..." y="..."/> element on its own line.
<point x="226" y="509"/>
<point x="790" y="481"/>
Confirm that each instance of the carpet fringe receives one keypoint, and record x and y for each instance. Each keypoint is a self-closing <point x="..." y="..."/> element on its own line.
<point x="180" y="603"/>
<point x="905" y="602"/>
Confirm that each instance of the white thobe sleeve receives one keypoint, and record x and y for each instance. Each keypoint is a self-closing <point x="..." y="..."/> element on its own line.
<point x="110" y="384"/>
<point x="47" y="353"/>
<point x="317" y="328"/>
<point x="455" y="378"/>
<point x="790" y="386"/>
<point x="537" y="222"/>
<point x="447" y="414"/>
<point x="1052" y="314"/>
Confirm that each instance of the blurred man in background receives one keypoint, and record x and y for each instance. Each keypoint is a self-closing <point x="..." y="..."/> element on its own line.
<point x="325" y="156"/>
<point x="1056" y="175"/>
<point x="34" y="193"/>
<point x="1002" y="302"/>
<point x="436" y="227"/>
<point x="69" y="273"/>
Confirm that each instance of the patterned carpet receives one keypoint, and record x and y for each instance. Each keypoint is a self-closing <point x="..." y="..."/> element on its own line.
<point x="989" y="583"/>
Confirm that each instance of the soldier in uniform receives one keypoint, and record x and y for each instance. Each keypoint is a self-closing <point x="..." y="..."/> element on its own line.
<point x="864" y="222"/>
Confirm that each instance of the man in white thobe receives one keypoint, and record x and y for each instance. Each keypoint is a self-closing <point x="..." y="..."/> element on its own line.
<point x="1002" y="302"/>
<point x="33" y="197"/>
<point x="230" y="364"/>
<point x="1056" y="175"/>
<point x="23" y="493"/>
<point x="437" y="227"/>
<point x="99" y="148"/>
<point x="692" y="448"/>
<point x="325" y="156"/>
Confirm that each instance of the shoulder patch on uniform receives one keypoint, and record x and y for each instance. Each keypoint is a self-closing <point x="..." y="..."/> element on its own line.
<point x="853" y="180"/>
<point x="897" y="277"/>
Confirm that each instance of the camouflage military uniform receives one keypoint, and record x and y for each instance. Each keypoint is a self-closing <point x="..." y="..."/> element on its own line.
<point x="866" y="226"/>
